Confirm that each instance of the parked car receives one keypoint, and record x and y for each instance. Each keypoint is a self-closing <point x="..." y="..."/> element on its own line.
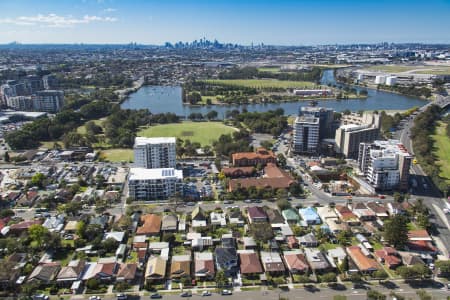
<point x="41" y="297"/>
<point x="155" y="296"/>
<point x="94" y="298"/>
<point x="226" y="293"/>
<point x="186" y="294"/>
<point x="248" y="201"/>
<point x="122" y="296"/>
<point x="206" y="293"/>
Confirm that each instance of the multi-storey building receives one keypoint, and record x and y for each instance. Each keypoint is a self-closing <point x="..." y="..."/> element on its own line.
<point x="385" y="164"/>
<point x="325" y="116"/>
<point x="262" y="157"/>
<point x="48" y="100"/>
<point x="306" y="134"/>
<point x="354" y="130"/>
<point x="157" y="152"/>
<point x="24" y="103"/>
<point x="154" y="184"/>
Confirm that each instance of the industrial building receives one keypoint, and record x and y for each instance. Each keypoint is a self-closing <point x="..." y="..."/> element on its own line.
<point x="385" y="164"/>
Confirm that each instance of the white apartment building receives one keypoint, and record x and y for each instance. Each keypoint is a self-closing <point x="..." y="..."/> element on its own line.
<point x="48" y="100"/>
<point x="23" y="103"/>
<point x="154" y="184"/>
<point x="385" y="164"/>
<point x="306" y="134"/>
<point x="156" y="152"/>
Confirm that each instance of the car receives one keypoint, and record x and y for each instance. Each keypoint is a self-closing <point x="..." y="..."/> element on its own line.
<point x="41" y="297"/>
<point x="226" y="293"/>
<point x="155" y="296"/>
<point x="228" y="202"/>
<point x="248" y="201"/>
<point x="186" y="294"/>
<point x="258" y="201"/>
<point x="206" y="293"/>
<point x="121" y="296"/>
<point x="190" y="204"/>
<point x="94" y="298"/>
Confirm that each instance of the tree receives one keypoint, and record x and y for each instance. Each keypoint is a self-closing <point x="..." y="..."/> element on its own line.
<point x="38" y="235"/>
<point x="281" y="160"/>
<point x="92" y="283"/>
<point x="261" y="232"/>
<point x="283" y="204"/>
<point x="281" y="194"/>
<point x="344" y="237"/>
<point x="122" y="286"/>
<point x="38" y="179"/>
<point x="168" y="237"/>
<point x="212" y="115"/>
<point x="6" y="157"/>
<point x="423" y="295"/>
<point x="444" y="268"/>
<point x="328" y="277"/>
<point x="29" y="288"/>
<point x="380" y="274"/>
<point x="110" y="245"/>
<point x="375" y="295"/>
<point x="221" y="279"/>
<point x="344" y="264"/>
<point x="396" y="231"/>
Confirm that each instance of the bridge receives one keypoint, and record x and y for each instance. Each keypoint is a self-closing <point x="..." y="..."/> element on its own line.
<point x="441" y="101"/>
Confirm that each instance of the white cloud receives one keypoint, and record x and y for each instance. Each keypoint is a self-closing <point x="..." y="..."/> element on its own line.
<point x="109" y="10"/>
<point x="53" y="20"/>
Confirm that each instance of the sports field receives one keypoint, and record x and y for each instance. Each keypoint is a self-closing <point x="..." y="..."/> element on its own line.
<point x="117" y="155"/>
<point x="442" y="146"/>
<point x="264" y="83"/>
<point x="202" y="132"/>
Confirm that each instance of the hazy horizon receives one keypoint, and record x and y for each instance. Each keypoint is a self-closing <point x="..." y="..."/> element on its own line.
<point x="283" y="23"/>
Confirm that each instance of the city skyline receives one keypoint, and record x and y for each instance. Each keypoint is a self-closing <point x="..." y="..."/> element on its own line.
<point x="242" y="22"/>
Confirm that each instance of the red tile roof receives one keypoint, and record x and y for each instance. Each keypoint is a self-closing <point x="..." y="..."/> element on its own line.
<point x="363" y="262"/>
<point x="296" y="262"/>
<point x="250" y="263"/>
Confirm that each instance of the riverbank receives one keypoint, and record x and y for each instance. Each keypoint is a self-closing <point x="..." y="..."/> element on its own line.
<point x="214" y="101"/>
<point x="124" y="93"/>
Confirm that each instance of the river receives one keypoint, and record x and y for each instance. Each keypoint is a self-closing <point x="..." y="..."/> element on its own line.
<point x="161" y="99"/>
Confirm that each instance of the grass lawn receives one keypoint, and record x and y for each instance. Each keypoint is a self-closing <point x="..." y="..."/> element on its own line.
<point x="214" y="99"/>
<point x="202" y="132"/>
<point x="442" y="146"/>
<point x="329" y="246"/>
<point x="117" y="155"/>
<point x="270" y="69"/>
<point x="264" y="83"/>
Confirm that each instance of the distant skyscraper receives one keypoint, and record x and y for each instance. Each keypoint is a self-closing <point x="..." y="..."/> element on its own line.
<point x="153" y="153"/>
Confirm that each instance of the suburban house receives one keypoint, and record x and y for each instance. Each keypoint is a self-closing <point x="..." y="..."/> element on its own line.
<point x="156" y="269"/>
<point x="151" y="225"/>
<point x="226" y="259"/>
<point x="308" y="240"/>
<point x="198" y="217"/>
<point x="274" y="216"/>
<point x="379" y="210"/>
<point x="256" y="214"/>
<point x="180" y="266"/>
<point x="346" y="215"/>
<point x="249" y="262"/>
<point x="127" y="272"/>
<point x="290" y="216"/>
<point x="309" y="216"/>
<point x="235" y="217"/>
<point x="317" y="260"/>
<point x="71" y="273"/>
<point x="364" y="263"/>
<point x="204" y="265"/>
<point x="389" y="256"/>
<point x="296" y="262"/>
<point x="218" y="219"/>
<point x="272" y="262"/>
<point x="363" y="212"/>
<point x="169" y="223"/>
<point x="45" y="273"/>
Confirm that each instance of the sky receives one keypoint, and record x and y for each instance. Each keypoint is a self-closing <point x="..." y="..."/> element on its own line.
<point x="282" y="22"/>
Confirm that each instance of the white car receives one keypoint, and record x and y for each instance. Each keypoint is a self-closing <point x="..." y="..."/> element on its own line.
<point x="206" y="293"/>
<point x="95" y="298"/>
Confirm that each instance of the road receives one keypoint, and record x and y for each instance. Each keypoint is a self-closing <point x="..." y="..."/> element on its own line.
<point x="302" y="293"/>
<point x="432" y="196"/>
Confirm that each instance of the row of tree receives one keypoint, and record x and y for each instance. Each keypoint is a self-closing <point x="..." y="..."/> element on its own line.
<point x="424" y="127"/>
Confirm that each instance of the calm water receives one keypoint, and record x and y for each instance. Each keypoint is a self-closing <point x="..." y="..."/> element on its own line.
<point x="161" y="99"/>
